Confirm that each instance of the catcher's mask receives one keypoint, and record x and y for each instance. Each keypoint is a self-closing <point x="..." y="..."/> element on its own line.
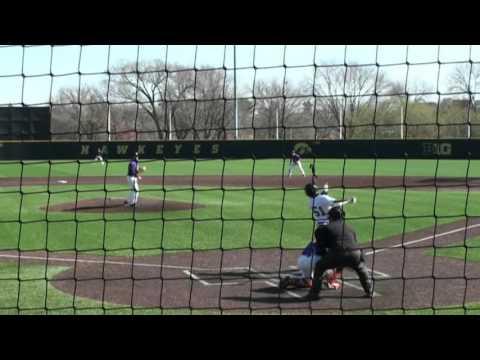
<point x="311" y="190"/>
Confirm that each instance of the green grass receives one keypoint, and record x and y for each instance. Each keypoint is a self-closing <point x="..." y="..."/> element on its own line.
<point x="235" y="218"/>
<point x="381" y="167"/>
<point x="468" y="251"/>
<point x="27" y="290"/>
<point x="468" y="309"/>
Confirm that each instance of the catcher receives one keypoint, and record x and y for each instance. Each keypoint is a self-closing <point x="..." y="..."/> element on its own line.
<point x="311" y="254"/>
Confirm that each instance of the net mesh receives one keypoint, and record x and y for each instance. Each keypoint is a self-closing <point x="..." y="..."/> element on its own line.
<point x="219" y="217"/>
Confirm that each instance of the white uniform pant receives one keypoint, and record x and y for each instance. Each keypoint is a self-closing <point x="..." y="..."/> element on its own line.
<point x="292" y="166"/>
<point x="134" y="190"/>
<point x="306" y="264"/>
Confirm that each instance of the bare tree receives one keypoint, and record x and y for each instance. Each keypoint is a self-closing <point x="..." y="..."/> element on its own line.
<point x="80" y="114"/>
<point x="271" y="104"/>
<point x="147" y="88"/>
<point x="208" y="113"/>
<point x="348" y="94"/>
<point x="191" y="101"/>
<point x="465" y="79"/>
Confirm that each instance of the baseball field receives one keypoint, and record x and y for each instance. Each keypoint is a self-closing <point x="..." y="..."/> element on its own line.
<point x="213" y="236"/>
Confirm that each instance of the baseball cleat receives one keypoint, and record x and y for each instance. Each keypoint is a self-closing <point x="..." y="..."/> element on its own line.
<point x="284" y="282"/>
<point x="370" y="293"/>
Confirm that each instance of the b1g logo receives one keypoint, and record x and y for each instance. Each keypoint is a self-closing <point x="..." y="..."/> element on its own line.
<point x="302" y="148"/>
<point x="441" y="149"/>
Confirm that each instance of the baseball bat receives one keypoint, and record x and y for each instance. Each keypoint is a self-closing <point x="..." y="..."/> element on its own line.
<point x="314" y="173"/>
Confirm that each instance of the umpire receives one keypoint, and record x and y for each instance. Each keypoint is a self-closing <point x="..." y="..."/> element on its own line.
<point x="342" y="251"/>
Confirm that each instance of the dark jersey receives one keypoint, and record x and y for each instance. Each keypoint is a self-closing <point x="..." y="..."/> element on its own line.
<point x="133" y="168"/>
<point x="295" y="158"/>
<point x="337" y="235"/>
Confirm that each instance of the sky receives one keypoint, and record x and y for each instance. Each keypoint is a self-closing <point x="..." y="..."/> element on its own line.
<point x="33" y="74"/>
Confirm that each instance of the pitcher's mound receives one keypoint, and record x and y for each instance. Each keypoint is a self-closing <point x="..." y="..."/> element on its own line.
<point x="118" y="205"/>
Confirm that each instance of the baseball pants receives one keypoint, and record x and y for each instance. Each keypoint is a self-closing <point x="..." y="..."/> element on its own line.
<point x="134" y="190"/>
<point x="292" y="166"/>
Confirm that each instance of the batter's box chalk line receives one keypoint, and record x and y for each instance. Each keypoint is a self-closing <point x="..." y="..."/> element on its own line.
<point x="265" y="278"/>
<point x="353" y="286"/>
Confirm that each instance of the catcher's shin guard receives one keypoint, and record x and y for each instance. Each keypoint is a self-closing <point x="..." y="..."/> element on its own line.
<point x="303" y="283"/>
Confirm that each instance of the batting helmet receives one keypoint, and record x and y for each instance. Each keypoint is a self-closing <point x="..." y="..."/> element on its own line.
<point x="311" y="190"/>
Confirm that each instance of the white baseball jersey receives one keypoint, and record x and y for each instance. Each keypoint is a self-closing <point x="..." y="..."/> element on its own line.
<point x="321" y="205"/>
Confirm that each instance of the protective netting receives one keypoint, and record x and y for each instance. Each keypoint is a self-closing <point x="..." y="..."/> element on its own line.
<point x="218" y="224"/>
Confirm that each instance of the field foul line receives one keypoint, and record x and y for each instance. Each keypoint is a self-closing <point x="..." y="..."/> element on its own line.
<point x="423" y="239"/>
<point x="111" y="262"/>
<point x="183" y="268"/>
<point x="379" y="273"/>
<point x="267" y="280"/>
<point x="346" y="283"/>
<point x="274" y="284"/>
<point x="195" y="277"/>
<point x="206" y="283"/>
<point x="410" y="243"/>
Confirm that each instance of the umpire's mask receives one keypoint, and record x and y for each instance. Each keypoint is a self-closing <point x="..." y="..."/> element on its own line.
<point x="336" y="213"/>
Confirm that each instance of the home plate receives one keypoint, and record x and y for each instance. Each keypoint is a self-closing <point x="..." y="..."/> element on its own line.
<point x="62" y="181"/>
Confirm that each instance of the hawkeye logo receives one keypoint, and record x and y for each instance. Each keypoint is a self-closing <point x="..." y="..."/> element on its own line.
<point x="302" y="149"/>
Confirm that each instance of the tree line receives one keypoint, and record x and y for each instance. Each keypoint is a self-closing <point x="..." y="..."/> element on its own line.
<point x="354" y="102"/>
